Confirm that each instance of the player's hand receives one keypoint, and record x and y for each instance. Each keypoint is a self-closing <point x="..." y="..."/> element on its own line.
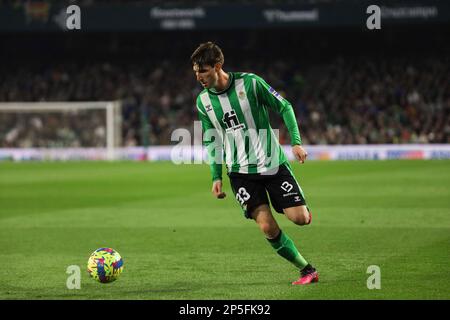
<point x="299" y="153"/>
<point x="217" y="189"/>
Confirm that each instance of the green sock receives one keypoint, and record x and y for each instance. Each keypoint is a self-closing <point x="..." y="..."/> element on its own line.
<point x="285" y="247"/>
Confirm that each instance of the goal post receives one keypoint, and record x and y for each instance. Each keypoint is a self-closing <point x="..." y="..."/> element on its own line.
<point x="106" y="118"/>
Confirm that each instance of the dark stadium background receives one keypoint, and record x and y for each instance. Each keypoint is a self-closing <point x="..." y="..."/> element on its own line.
<point x="348" y="84"/>
<point x="358" y="94"/>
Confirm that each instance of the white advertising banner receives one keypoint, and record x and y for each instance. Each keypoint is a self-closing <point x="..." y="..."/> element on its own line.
<point x="196" y="154"/>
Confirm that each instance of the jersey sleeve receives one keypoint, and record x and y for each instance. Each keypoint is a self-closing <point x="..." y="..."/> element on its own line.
<point x="215" y="168"/>
<point x="273" y="100"/>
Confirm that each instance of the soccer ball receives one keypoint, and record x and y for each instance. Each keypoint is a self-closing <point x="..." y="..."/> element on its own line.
<point x="105" y="265"/>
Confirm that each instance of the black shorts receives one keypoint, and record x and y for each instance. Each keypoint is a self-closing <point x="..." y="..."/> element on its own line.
<point x="251" y="190"/>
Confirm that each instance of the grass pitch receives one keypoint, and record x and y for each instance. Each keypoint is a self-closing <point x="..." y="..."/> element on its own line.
<point x="178" y="242"/>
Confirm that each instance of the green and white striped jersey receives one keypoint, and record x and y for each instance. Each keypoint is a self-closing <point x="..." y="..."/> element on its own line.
<point x="236" y="127"/>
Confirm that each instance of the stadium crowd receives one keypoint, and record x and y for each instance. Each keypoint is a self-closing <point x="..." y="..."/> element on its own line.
<point x="71" y="129"/>
<point x="346" y="99"/>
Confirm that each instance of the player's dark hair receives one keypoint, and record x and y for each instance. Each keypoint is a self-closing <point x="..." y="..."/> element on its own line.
<point x="207" y="53"/>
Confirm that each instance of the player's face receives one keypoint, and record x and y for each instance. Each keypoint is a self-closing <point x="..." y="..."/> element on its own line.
<point x="206" y="75"/>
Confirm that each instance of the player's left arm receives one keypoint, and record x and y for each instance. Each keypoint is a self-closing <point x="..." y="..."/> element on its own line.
<point x="276" y="102"/>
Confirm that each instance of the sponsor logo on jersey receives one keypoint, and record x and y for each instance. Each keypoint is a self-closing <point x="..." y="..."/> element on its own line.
<point x="231" y="121"/>
<point x="208" y="108"/>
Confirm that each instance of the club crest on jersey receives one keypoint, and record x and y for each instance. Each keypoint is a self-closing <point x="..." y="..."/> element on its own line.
<point x="275" y="94"/>
<point x="231" y="121"/>
<point x="241" y="95"/>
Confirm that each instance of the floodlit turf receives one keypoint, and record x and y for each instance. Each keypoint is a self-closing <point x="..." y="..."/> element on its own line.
<point x="178" y="242"/>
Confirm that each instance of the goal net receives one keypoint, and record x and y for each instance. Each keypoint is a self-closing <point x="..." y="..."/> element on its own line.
<point x="61" y="126"/>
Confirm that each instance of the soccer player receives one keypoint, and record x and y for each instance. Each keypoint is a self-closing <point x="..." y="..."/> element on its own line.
<point x="236" y="128"/>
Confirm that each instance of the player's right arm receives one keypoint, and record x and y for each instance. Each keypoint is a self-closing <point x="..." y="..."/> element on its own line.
<point x="217" y="189"/>
<point x="215" y="166"/>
